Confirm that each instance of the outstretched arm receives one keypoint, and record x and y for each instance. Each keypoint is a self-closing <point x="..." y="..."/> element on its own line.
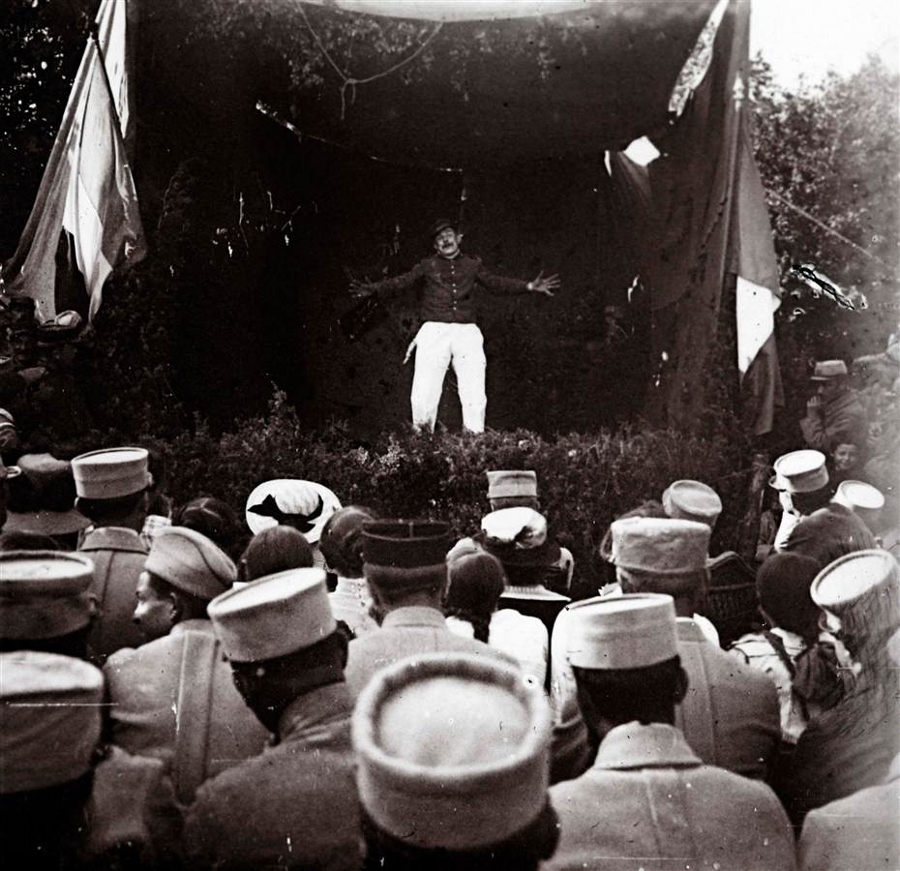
<point x="387" y="286"/>
<point x="544" y="285"/>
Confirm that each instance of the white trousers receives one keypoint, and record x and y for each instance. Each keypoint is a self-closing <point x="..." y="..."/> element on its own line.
<point x="437" y="346"/>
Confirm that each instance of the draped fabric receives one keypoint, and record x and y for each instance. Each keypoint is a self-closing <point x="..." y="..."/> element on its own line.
<point x="698" y="221"/>
<point x="85" y="219"/>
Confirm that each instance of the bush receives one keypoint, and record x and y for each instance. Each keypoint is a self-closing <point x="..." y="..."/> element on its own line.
<point x="584" y="481"/>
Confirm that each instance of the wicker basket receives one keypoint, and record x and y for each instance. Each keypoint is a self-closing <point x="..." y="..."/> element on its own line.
<point x="731" y="600"/>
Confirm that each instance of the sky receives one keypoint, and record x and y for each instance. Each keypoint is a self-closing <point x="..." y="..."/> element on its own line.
<point x="809" y="37"/>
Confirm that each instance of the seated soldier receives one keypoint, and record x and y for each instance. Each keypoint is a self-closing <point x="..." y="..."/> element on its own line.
<point x="45" y="603"/>
<point x="63" y="803"/>
<point x="111" y="487"/>
<point x="453" y="754"/>
<point x="648" y="800"/>
<point x="295" y="806"/>
<point x="852" y="745"/>
<point x="861" y="830"/>
<point x="825" y="529"/>
<point x="173" y="698"/>
<point x="729" y="714"/>
<point x="407" y="576"/>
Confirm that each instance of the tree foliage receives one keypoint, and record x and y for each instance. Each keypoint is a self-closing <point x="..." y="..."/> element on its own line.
<point x="40" y="45"/>
<point x="829" y="154"/>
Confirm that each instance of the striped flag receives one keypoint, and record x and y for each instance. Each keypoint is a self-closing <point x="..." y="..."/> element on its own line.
<point x="753" y="262"/>
<point x="85" y="220"/>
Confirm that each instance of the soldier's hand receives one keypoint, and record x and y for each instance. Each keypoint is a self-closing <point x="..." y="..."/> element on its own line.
<point x="32" y="374"/>
<point x="813" y="403"/>
<point x="359" y="290"/>
<point x="545" y="285"/>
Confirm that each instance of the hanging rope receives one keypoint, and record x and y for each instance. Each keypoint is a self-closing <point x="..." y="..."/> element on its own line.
<point x="348" y="81"/>
<point x="828" y="229"/>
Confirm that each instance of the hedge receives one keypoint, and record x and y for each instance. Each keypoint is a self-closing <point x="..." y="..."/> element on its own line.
<point x="584" y="481"/>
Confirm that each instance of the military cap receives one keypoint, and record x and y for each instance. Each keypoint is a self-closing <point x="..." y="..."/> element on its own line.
<point x="49" y="719"/>
<point x="518" y="537"/>
<point x="634" y="630"/>
<point x="440" y="225"/>
<point x="855" y="580"/>
<point x="190" y="562"/>
<point x="801" y="471"/>
<point x="405" y="544"/>
<point x="858" y="494"/>
<point x="41" y="497"/>
<point x="828" y="370"/>
<point x="660" y="545"/>
<point x="692" y="500"/>
<point x="273" y="615"/>
<point x="453" y="751"/>
<point x="111" y="473"/>
<point x="505" y="484"/>
<point x="305" y="505"/>
<point x="43" y="594"/>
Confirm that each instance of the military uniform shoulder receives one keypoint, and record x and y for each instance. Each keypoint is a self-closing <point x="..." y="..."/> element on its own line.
<point x="120" y="659"/>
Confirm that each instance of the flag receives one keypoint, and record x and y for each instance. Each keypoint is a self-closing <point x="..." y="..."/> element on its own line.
<point x="757" y="293"/>
<point x="85" y="220"/>
<point x="699" y="224"/>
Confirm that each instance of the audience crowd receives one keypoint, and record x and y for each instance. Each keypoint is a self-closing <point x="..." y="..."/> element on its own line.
<point x="349" y="691"/>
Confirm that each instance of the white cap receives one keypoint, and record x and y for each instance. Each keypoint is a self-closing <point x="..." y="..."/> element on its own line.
<point x="273" y="615"/>
<point x="858" y="494"/>
<point x="44" y="594"/>
<point x="112" y="473"/>
<point x="801" y="471"/>
<point x="660" y="545"/>
<point x="634" y="630"/>
<point x="692" y="500"/>
<point x="49" y="719"/>
<point x="305" y="505"/>
<point x="852" y="578"/>
<point x="505" y="484"/>
<point x="453" y="750"/>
